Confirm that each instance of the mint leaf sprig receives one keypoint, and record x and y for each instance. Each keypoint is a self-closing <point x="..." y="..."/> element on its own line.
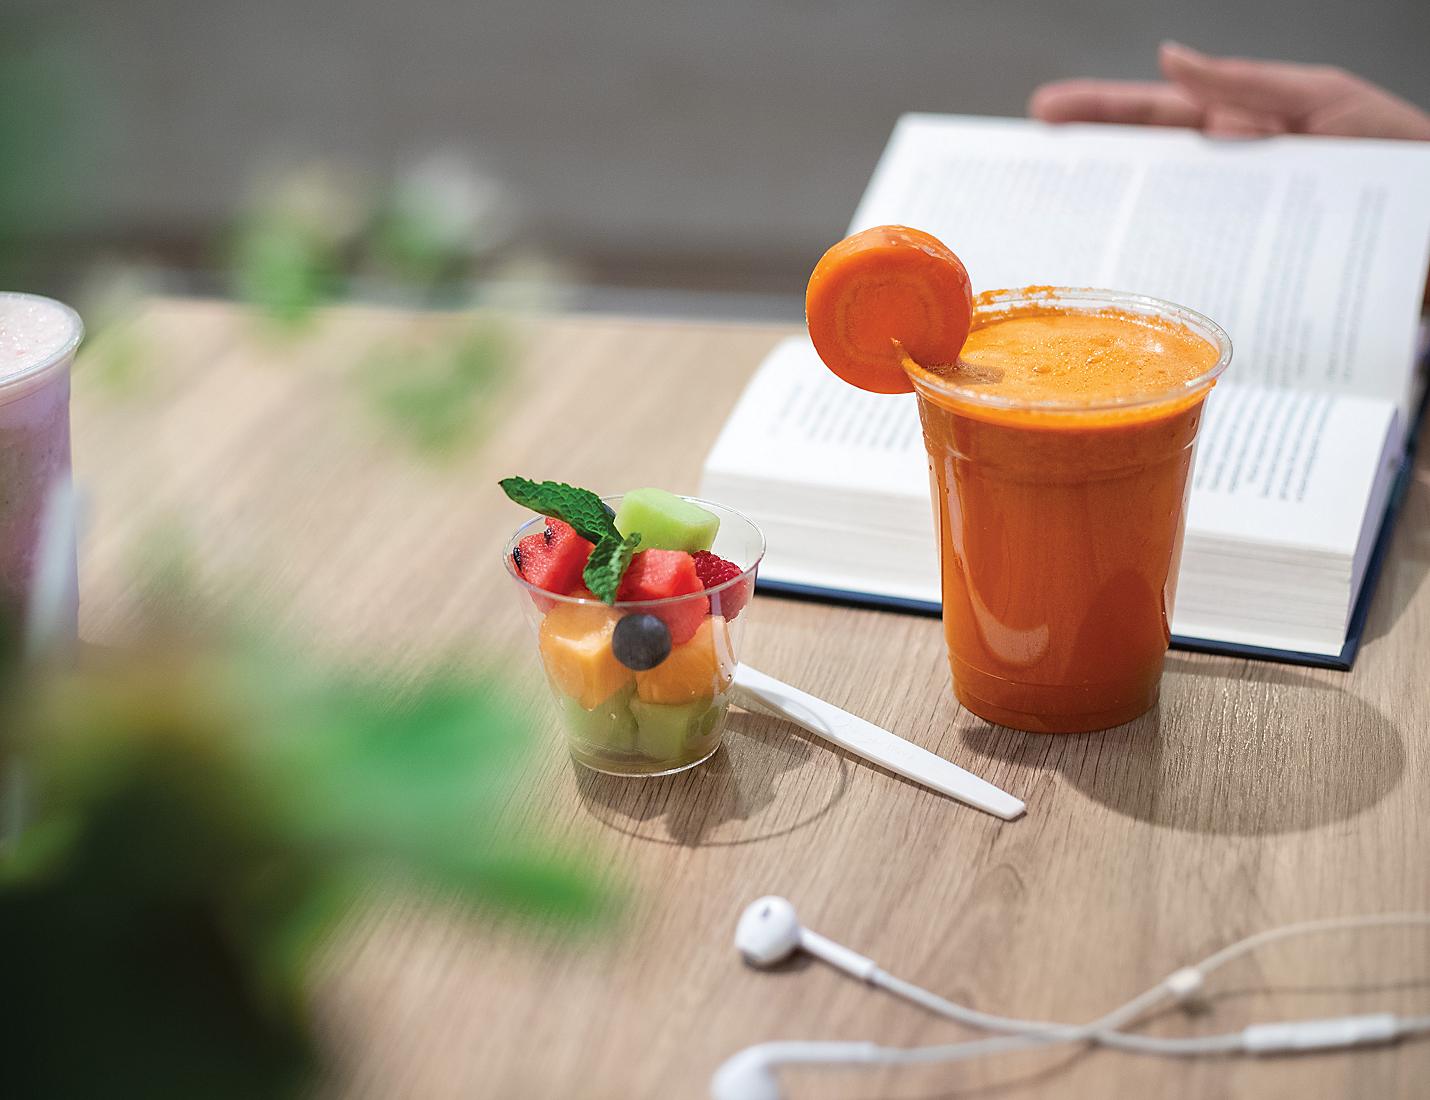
<point x="592" y="520"/>
<point x="581" y="508"/>
<point x="607" y="565"/>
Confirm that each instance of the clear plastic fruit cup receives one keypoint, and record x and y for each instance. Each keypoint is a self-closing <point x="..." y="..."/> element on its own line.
<point x="668" y="712"/>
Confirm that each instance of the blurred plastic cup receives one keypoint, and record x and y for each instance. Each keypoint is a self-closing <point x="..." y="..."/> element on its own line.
<point x="38" y="339"/>
<point x="652" y="721"/>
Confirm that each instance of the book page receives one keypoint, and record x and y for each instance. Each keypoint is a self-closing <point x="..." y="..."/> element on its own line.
<point x="1289" y="468"/>
<point x="1288" y="489"/>
<point x="797" y="422"/>
<point x="1311" y="252"/>
<point x="1273" y="466"/>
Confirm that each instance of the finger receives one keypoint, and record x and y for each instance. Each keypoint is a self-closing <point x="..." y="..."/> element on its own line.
<point x="1234" y="122"/>
<point x="1271" y="87"/>
<point x="1374" y="114"/>
<point x="1115" y="101"/>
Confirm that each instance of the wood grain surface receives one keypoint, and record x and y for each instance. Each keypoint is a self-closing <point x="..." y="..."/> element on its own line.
<point x="1255" y="793"/>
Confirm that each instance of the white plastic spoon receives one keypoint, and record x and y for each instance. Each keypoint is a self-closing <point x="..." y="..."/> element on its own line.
<point x="760" y="692"/>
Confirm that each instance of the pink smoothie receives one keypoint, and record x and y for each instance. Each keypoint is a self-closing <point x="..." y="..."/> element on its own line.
<point x="38" y="338"/>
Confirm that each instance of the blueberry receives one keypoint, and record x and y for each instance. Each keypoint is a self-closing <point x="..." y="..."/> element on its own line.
<point x="641" y="642"/>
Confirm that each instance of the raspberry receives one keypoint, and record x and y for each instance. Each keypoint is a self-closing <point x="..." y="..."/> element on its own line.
<point x="713" y="571"/>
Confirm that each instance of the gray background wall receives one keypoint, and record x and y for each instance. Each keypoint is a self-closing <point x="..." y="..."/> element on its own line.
<point x="721" y="143"/>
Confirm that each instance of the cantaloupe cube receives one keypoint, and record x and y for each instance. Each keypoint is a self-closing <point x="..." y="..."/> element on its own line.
<point x="700" y="669"/>
<point x="576" y="647"/>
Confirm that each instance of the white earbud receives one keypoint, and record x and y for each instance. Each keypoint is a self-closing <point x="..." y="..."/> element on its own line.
<point x="750" y="1074"/>
<point x="769" y="932"/>
<point x="745" y="1076"/>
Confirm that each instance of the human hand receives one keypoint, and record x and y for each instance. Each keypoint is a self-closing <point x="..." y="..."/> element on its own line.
<point x="1237" y="97"/>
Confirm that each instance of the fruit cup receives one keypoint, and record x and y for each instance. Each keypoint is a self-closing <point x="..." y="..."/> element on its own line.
<point x="642" y="686"/>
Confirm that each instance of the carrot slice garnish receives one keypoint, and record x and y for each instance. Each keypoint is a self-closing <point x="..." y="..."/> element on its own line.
<point x="886" y="284"/>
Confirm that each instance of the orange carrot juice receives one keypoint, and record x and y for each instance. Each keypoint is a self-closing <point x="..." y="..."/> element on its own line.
<point x="1060" y="447"/>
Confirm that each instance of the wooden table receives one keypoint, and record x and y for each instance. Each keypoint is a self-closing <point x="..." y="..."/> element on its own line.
<point x="1256" y="794"/>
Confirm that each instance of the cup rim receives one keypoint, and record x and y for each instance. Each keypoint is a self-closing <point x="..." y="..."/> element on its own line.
<point x="1087" y="300"/>
<point x="9" y="384"/>
<point x="625" y="605"/>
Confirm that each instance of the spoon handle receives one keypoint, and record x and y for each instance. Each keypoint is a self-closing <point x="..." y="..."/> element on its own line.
<point x="873" y="743"/>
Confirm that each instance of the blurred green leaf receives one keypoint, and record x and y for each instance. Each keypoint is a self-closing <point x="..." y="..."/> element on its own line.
<point x="437" y="396"/>
<point x="116" y="354"/>
<point x="287" y="254"/>
<point x="283" y="267"/>
<point x="53" y="138"/>
<point x="355" y="763"/>
<point x="409" y="244"/>
<point x="519" y="878"/>
<point x="126" y="947"/>
<point x="207" y="815"/>
<point x="437" y="220"/>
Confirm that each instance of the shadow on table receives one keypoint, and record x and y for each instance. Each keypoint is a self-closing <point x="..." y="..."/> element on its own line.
<point x="736" y="784"/>
<point x="1408" y="559"/>
<point x="1239" y="768"/>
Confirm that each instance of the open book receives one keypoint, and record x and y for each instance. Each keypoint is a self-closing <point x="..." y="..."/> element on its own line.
<point x="1311" y="252"/>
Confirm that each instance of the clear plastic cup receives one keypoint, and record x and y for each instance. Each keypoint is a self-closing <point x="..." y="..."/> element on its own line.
<point x="650" y="721"/>
<point x="38" y="339"/>
<point x="1060" y="529"/>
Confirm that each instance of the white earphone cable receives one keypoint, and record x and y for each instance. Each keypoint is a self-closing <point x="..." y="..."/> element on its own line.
<point x="1107" y="1029"/>
<point x="1308" y="928"/>
<point x="769" y="930"/>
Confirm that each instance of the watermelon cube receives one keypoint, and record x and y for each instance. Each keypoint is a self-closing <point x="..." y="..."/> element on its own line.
<point x="553" y="558"/>
<point x="661" y="575"/>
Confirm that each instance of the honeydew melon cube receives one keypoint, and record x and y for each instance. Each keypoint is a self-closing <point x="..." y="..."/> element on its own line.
<point x="609" y="727"/>
<point x="665" y="521"/>
<point x="668" y="731"/>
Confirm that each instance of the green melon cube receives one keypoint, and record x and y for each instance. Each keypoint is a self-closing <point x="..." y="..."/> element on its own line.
<point x="665" y="521"/>
<point x="668" y="731"/>
<point x="610" y="727"/>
